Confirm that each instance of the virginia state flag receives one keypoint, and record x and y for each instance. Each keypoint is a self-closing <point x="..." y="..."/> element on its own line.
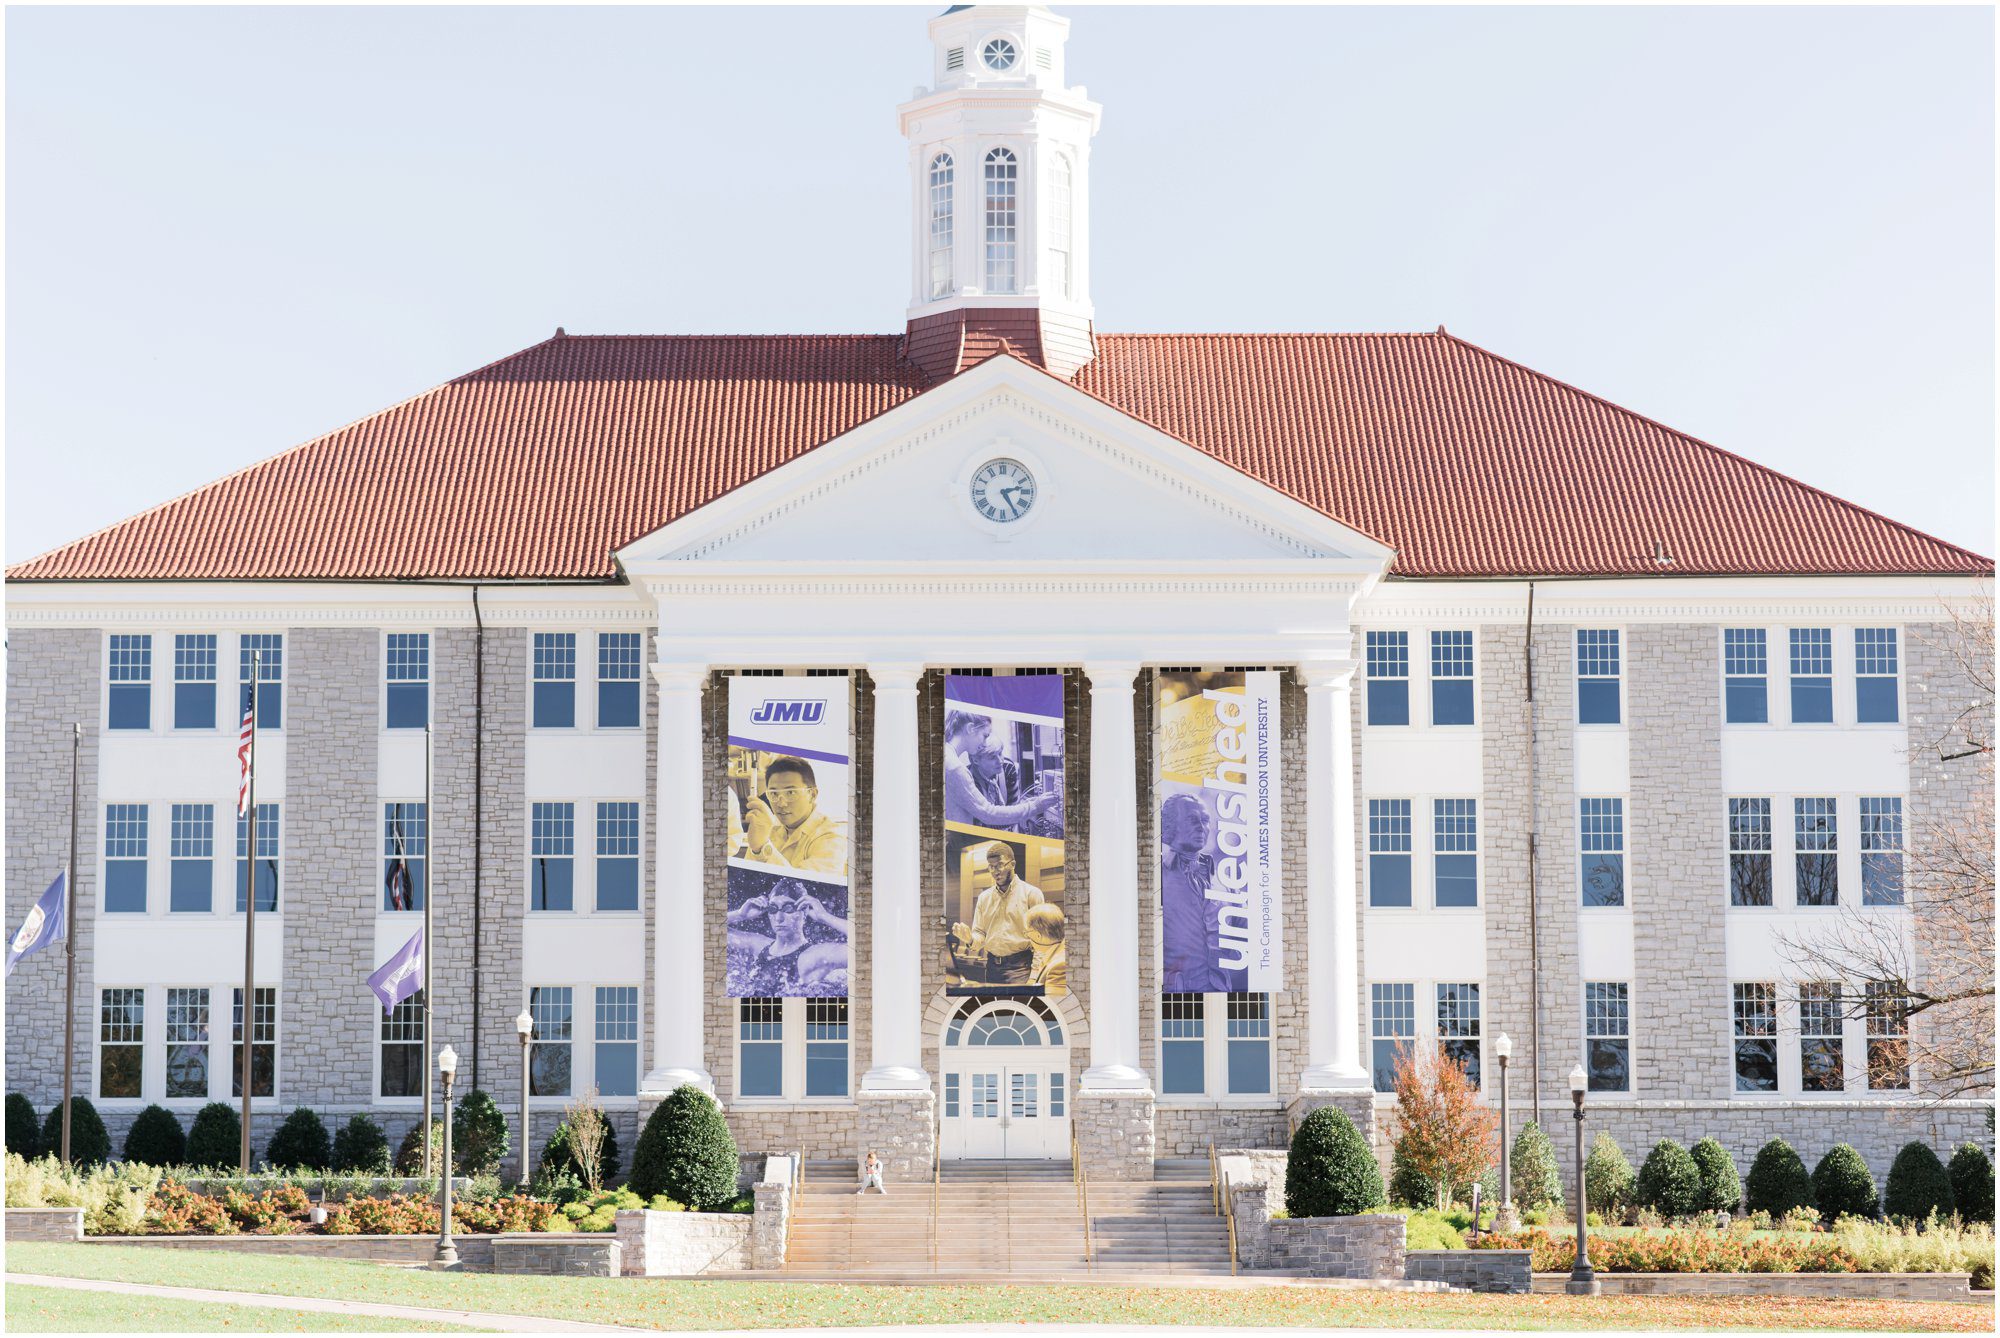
<point x="402" y="975"/>
<point x="47" y="921"/>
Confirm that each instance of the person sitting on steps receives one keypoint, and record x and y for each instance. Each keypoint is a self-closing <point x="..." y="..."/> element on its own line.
<point x="871" y="1174"/>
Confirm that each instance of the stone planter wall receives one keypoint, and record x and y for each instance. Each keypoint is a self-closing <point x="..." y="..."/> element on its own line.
<point x="657" y="1245"/>
<point x="45" y="1224"/>
<point x="1472" y="1270"/>
<point x="474" y="1252"/>
<point x="1880" y="1286"/>
<point x="1369" y="1246"/>
<point x="548" y="1255"/>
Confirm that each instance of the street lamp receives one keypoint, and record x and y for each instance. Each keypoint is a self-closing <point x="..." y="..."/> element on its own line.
<point x="524" y="1023"/>
<point x="447" y="1252"/>
<point x="1504" y="1218"/>
<point x="1582" y="1281"/>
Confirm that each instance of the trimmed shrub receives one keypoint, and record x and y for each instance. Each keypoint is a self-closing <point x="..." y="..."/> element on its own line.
<point x="1331" y="1171"/>
<point x="1721" y="1189"/>
<point x="1607" y="1177"/>
<point x="89" y="1143"/>
<point x="1972" y="1183"/>
<point x="410" y="1152"/>
<point x="478" y="1134"/>
<point x="156" y="1138"/>
<point x="686" y="1152"/>
<point x="216" y="1137"/>
<point x="557" y="1156"/>
<point x="1778" y="1181"/>
<point x="1918" y="1185"/>
<point x="361" y="1146"/>
<point x="1842" y="1186"/>
<point x="1409" y="1187"/>
<point x="300" y="1143"/>
<point x="24" y="1127"/>
<point x="1537" y="1179"/>
<point x="1669" y="1182"/>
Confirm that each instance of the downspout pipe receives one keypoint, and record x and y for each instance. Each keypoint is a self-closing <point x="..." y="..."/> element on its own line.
<point x="478" y="806"/>
<point x="1534" y="894"/>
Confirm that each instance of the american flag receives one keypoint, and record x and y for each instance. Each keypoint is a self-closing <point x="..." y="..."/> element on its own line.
<point x="246" y="739"/>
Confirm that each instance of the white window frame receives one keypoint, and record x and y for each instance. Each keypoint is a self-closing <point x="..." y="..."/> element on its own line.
<point x="1215" y="1038"/>
<point x="235" y="712"/>
<point x="98" y="1043"/>
<point x="378" y="1018"/>
<point x="429" y="680"/>
<point x="997" y="204"/>
<point x="583" y="715"/>
<point x="940" y="224"/>
<point x="1631" y="1089"/>
<point x="583" y="888"/>
<point x="228" y="1081"/>
<point x="1851" y="637"/>
<point x="1624" y="853"/>
<point x="226" y="716"/>
<point x="156" y="709"/>
<point x="228" y="904"/>
<point x="792" y="1039"/>
<point x="1576" y="676"/>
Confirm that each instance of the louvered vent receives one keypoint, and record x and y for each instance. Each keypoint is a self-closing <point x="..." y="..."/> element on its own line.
<point x="1045" y="58"/>
<point x="954" y="59"/>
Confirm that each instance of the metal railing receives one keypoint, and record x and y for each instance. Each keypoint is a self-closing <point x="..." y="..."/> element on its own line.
<point x="1229" y="1216"/>
<point x="1214" y="1183"/>
<point x="1082" y="1179"/>
<point x="937" y="1182"/>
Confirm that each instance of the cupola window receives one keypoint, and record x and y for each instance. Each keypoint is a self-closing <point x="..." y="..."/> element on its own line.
<point x="940" y="245"/>
<point x="1002" y="219"/>
<point x="1059" y="224"/>
<point x="1000" y="55"/>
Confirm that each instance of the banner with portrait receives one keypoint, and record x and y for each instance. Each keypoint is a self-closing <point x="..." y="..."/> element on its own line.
<point x="789" y="793"/>
<point x="1003" y="836"/>
<point x="1217" y="788"/>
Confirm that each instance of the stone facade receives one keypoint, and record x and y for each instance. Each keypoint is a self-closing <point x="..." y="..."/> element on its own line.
<point x="665" y="1245"/>
<point x="1507" y="1271"/>
<point x="557" y="1256"/>
<point x="1114" y="1133"/>
<point x="901" y="1128"/>
<point x="770" y="1225"/>
<point x="1369" y="1247"/>
<point x="501" y="893"/>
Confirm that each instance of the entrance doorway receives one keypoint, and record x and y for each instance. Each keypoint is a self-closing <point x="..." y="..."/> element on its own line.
<point x="1006" y="1081"/>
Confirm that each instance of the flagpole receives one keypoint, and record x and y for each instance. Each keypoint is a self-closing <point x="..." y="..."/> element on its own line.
<point x="69" y="941"/>
<point x="249" y="817"/>
<point x="428" y="991"/>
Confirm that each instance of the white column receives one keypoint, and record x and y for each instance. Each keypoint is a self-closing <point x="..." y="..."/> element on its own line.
<point x="679" y="848"/>
<point x="1114" y="883"/>
<point x="896" y="998"/>
<point x="1333" y="946"/>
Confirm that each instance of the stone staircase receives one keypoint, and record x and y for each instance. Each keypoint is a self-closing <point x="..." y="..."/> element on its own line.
<point x="1017" y="1218"/>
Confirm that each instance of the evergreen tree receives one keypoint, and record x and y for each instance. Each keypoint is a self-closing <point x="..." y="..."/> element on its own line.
<point x="1842" y="1186"/>
<point x="1538" y="1181"/>
<point x="361" y="1146"/>
<point x="1778" y="1181"/>
<point x="1721" y="1189"/>
<point x="215" y="1140"/>
<point x="1331" y="1171"/>
<point x="686" y="1152"/>
<point x="156" y="1138"/>
<point x="1607" y="1177"/>
<point x="479" y="1139"/>
<point x="1972" y="1182"/>
<point x="1918" y="1185"/>
<point x="300" y="1144"/>
<point x="24" y="1127"/>
<point x="1669" y="1181"/>
<point x="89" y="1142"/>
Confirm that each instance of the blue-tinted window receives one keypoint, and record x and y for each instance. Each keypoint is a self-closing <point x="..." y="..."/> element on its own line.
<point x="826" y="1047"/>
<point x="409" y="680"/>
<point x="552" y="858"/>
<point x="1749" y="852"/>
<point x="1388" y="678"/>
<point x="618" y="680"/>
<point x="1393" y="1028"/>
<point x="267" y="649"/>
<point x="1249" y="1044"/>
<point x="555" y="680"/>
<point x="1812" y="675"/>
<point x="267" y="858"/>
<point x="1451" y="678"/>
<point x="1746" y="670"/>
<point x="125" y="859"/>
<point x="1881" y="851"/>
<point x="1458" y="1027"/>
<point x="191" y="852"/>
<point x="618" y="856"/>
<point x="618" y="1040"/>
<point x="1816" y="838"/>
<point x="1455" y="838"/>
<point x="760" y="1047"/>
<point x="1183" y="1063"/>
<point x="1875" y="676"/>
<point x="194" y="681"/>
<point x="549" y="1069"/>
<point x="1756" y="1015"/>
<point x="1607" y="1031"/>
<point x="1601" y="868"/>
<point x="405" y="850"/>
<point x="1597" y="674"/>
<point x="130" y="668"/>
<point x="1388" y="852"/>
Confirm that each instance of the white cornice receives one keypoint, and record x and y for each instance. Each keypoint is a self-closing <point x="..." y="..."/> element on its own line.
<point x="1671" y="599"/>
<point x="332" y="604"/>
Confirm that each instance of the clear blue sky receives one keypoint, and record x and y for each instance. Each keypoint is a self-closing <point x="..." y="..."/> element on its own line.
<point x="230" y="230"/>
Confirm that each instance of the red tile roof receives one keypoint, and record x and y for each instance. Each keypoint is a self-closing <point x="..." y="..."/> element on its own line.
<point x="542" y="464"/>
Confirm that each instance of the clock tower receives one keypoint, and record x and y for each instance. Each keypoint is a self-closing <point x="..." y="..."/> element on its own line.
<point x="1000" y="172"/>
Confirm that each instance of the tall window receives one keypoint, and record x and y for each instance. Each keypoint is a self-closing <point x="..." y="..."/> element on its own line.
<point x="1451" y="678"/>
<point x="191" y="850"/>
<point x="406" y="839"/>
<point x="617" y="1056"/>
<point x="1388" y="852"/>
<point x="267" y="651"/>
<point x="1601" y="829"/>
<point x="1060" y="226"/>
<point x="555" y="680"/>
<point x="1888" y="1036"/>
<point x="1882" y="851"/>
<point x="618" y="680"/>
<point x="1455" y="860"/>
<point x="1002" y="220"/>
<point x="194" y="681"/>
<point x="263" y="1043"/>
<point x="1875" y="676"/>
<point x="826" y="1047"/>
<point x="1820" y="1018"/>
<point x="1607" y="1035"/>
<point x="125" y="858"/>
<point x="130" y="702"/>
<point x="1746" y="676"/>
<point x="187" y="1042"/>
<point x="1388" y="678"/>
<point x="940" y="242"/>
<point x="1812" y="675"/>
<point x="548" y="1052"/>
<point x="409" y="680"/>
<point x="1816" y="838"/>
<point x="1392" y="1014"/>
<point x="618" y="856"/>
<point x="1183" y="1045"/>
<point x="552" y="858"/>
<point x="403" y="1048"/>
<point x="1756" y="1013"/>
<point x="121" y="1042"/>
<point x="266" y="863"/>
<point x="1458" y="1027"/>
<point x="1749" y="852"/>
<point x="1597" y="676"/>
<point x="1249" y="1027"/>
<point x="760" y="1047"/>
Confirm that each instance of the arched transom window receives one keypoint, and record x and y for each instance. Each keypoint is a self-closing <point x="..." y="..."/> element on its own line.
<point x="940" y="242"/>
<point x="1003" y="173"/>
<point x="1029" y="1022"/>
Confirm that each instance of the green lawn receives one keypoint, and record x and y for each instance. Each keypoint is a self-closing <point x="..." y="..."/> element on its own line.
<point x="664" y="1304"/>
<point x="52" y="1310"/>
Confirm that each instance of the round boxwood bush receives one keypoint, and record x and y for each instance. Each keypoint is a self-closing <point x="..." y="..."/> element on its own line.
<point x="1918" y="1185"/>
<point x="1607" y="1177"/>
<point x="89" y="1144"/>
<point x="410" y="1152"/>
<point x="1842" y="1186"/>
<point x="216" y="1137"/>
<point x="301" y="1143"/>
<point x="1972" y="1182"/>
<point x="24" y="1127"/>
<point x="686" y="1152"/>
<point x="360" y="1145"/>
<point x="1778" y="1181"/>
<point x="478" y="1134"/>
<point x="1409" y="1187"/>
<point x="557" y="1156"/>
<point x="1331" y="1171"/>
<point x="1669" y="1181"/>
<point x="1538" y="1181"/>
<point x="1721" y="1189"/>
<point x="156" y="1138"/>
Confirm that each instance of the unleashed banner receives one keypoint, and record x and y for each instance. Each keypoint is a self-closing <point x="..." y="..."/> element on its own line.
<point x="1003" y="835"/>
<point x="789" y="792"/>
<point x="1221" y="880"/>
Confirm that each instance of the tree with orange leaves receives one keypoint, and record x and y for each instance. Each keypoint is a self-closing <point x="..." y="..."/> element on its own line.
<point x="1446" y="1134"/>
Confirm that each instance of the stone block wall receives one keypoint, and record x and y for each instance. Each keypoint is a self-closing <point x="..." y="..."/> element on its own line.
<point x="52" y="1224"/>
<point x="1114" y="1133"/>
<point x="544" y="1255"/>
<point x="1506" y="1271"/>
<point x="1369" y="1247"/>
<point x="657" y="1245"/>
<point x="503" y="862"/>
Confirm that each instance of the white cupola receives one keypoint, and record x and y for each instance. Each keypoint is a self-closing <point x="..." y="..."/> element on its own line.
<point x="1000" y="172"/>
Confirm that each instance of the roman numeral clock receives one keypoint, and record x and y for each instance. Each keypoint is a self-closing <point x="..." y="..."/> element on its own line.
<point x="1002" y="489"/>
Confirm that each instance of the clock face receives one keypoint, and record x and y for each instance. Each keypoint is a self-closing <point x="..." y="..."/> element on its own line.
<point x="999" y="55"/>
<point x="1003" y="491"/>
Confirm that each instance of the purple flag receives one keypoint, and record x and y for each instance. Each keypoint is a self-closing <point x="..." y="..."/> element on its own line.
<point x="402" y="975"/>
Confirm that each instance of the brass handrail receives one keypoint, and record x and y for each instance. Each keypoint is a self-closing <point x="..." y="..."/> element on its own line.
<point x="937" y="1182"/>
<point x="1214" y="1184"/>
<point x="1229" y="1216"/>
<point x="1082" y="1179"/>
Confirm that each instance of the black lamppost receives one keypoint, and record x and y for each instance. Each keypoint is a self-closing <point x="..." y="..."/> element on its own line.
<point x="524" y="1023"/>
<point x="447" y="1252"/>
<point x="1582" y="1281"/>
<point x="1504" y="1217"/>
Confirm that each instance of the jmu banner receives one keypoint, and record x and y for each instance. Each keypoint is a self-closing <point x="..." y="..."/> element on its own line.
<point x="789" y="789"/>
<point x="1221" y="875"/>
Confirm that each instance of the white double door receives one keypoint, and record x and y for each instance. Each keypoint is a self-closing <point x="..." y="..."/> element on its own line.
<point x="1006" y="1085"/>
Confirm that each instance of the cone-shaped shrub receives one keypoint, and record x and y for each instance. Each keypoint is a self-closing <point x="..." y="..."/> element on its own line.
<point x="1331" y="1171"/>
<point x="1538" y="1181"/>
<point x="1669" y="1182"/>
<point x="360" y="1145"/>
<point x="1918" y="1185"/>
<point x="478" y="1134"/>
<point x="686" y="1152"/>
<point x="1409" y="1187"/>
<point x="1721" y="1189"/>
<point x="156" y="1138"/>
<point x="1607" y="1177"/>
<point x="1842" y="1186"/>
<point x="24" y="1127"/>
<point x="1778" y="1181"/>
<point x="300" y="1143"/>
<point x="216" y="1137"/>
<point x="1972" y="1182"/>
<point x="410" y="1152"/>
<point x="89" y="1144"/>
